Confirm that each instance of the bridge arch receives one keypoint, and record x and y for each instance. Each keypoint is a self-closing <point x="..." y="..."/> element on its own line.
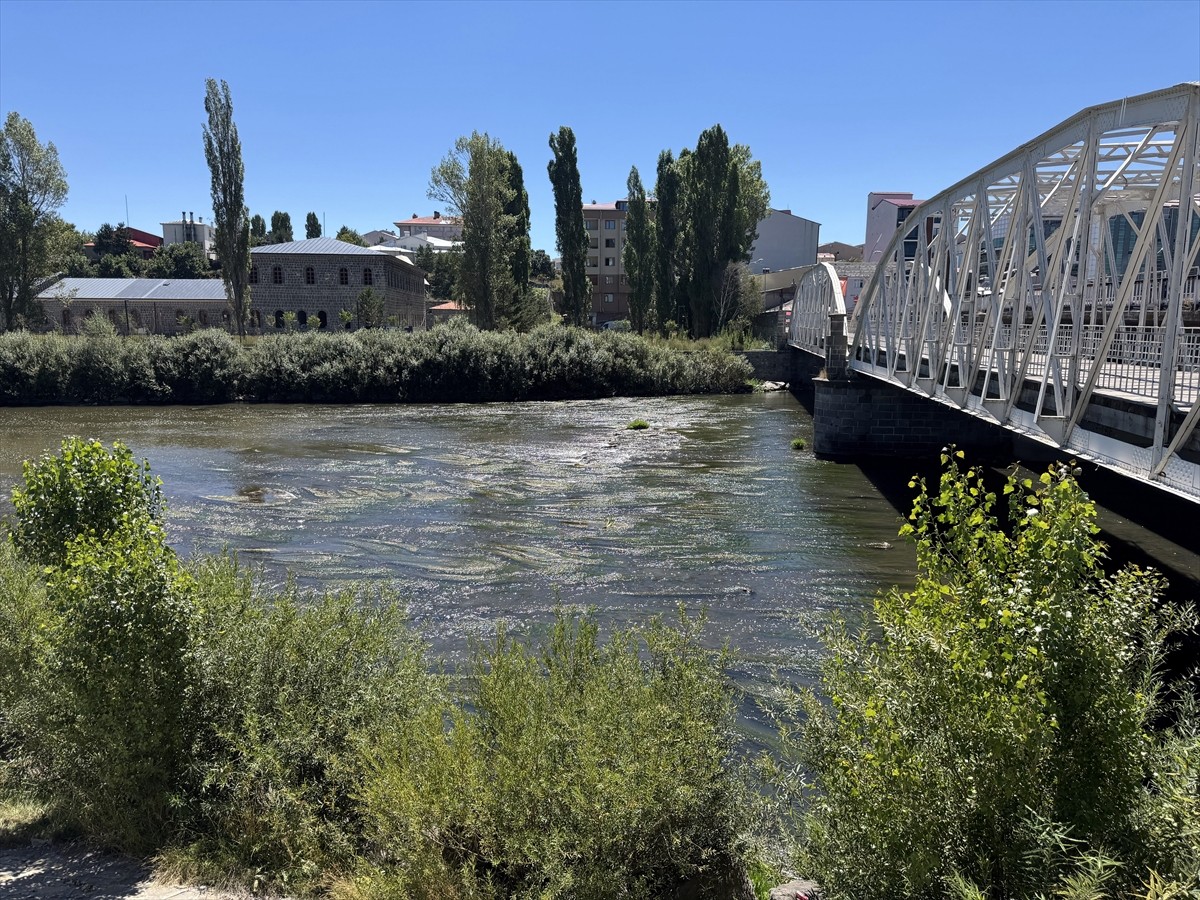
<point x="818" y="296"/>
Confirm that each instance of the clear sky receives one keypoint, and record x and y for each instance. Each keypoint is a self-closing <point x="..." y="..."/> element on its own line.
<point x="343" y="108"/>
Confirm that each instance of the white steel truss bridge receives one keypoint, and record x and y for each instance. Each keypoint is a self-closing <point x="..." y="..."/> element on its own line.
<point x="1052" y="292"/>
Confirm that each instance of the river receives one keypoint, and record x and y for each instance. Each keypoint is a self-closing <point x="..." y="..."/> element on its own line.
<point x="482" y="514"/>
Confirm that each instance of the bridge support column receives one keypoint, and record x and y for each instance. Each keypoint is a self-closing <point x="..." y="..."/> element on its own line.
<point x="855" y="417"/>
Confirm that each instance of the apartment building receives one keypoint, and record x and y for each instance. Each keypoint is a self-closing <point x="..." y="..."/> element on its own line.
<point x="605" y="225"/>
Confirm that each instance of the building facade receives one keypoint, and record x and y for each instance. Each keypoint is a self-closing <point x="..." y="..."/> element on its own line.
<point x="189" y="229"/>
<point x="137" y="305"/>
<point x="318" y="278"/>
<point x="605" y="226"/>
<point x="784" y="241"/>
<point x="446" y="227"/>
<point x="887" y="211"/>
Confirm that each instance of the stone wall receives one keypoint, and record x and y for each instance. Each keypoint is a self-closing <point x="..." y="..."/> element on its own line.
<point x="858" y="417"/>
<point x="401" y="286"/>
<point x="789" y="365"/>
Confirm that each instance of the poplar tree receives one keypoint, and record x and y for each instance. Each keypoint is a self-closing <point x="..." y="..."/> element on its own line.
<point x="570" y="235"/>
<point x="639" y="253"/>
<point x="518" y="308"/>
<point x="281" y="227"/>
<point x="312" y="226"/>
<point x="223" y="150"/>
<point x="258" y="230"/>
<point x="667" y="220"/>
<point x="474" y="180"/>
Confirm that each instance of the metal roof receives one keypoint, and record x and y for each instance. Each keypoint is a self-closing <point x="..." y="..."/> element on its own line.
<point x="159" y="289"/>
<point x="321" y="245"/>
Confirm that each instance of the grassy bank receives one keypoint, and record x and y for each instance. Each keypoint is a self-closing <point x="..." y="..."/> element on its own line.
<point x="453" y="363"/>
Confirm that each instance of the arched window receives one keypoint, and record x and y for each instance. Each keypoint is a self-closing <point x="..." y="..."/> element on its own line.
<point x="204" y="317"/>
<point x="302" y="318"/>
<point x="323" y="319"/>
<point x="254" y="274"/>
<point x="112" y="316"/>
<point x="279" y="318"/>
<point x="368" y="276"/>
<point x="255" y="319"/>
<point x="343" y="276"/>
<point x="276" y="274"/>
<point x="310" y="277"/>
<point x="67" y="321"/>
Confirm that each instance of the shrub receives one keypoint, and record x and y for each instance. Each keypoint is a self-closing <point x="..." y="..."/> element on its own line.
<point x="111" y="732"/>
<point x="799" y="443"/>
<point x="289" y="688"/>
<point x="86" y="490"/>
<point x="638" y="425"/>
<point x="583" y="770"/>
<point x="991" y="731"/>
<point x="202" y="367"/>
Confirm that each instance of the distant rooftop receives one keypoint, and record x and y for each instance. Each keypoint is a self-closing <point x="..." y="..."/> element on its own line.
<point x="321" y="245"/>
<point x="164" y="289"/>
<point x="436" y="219"/>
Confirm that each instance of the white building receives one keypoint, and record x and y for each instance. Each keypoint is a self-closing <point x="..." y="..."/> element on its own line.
<point x="189" y="229"/>
<point x="414" y="242"/>
<point x="784" y="241"/>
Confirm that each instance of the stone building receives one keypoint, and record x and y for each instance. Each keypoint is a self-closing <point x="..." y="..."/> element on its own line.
<point x="318" y="278"/>
<point x="137" y="305"/>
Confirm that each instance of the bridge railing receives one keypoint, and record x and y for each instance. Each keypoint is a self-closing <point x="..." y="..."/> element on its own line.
<point x="818" y="296"/>
<point x="1065" y="271"/>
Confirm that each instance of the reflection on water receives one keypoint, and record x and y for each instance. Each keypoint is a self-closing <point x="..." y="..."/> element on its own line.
<point x="486" y="513"/>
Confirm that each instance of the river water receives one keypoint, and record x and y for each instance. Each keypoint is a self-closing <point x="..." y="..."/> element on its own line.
<point x="482" y="514"/>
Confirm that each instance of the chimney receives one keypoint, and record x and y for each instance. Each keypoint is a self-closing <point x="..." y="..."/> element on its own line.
<point x="191" y="218"/>
<point x="436" y="214"/>
<point x="414" y="215"/>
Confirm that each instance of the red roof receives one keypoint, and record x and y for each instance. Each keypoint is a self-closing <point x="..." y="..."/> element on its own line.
<point x="449" y="306"/>
<point x="430" y="220"/>
<point x="904" y="203"/>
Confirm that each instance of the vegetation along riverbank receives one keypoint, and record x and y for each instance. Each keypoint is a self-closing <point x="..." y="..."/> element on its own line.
<point x="449" y="364"/>
<point x="1001" y="731"/>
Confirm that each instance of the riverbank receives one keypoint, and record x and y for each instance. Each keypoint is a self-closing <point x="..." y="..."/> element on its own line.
<point x="455" y="363"/>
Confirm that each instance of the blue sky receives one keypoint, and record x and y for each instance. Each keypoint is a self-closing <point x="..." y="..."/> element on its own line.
<point x="343" y="108"/>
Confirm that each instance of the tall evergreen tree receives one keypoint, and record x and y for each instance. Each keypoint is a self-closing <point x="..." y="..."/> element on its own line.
<point x="258" y="230"/>
<point x="223" y="150"/>
<point x="519" y="308"/>
<point x="281" y="227"/>
<point x="639" y="253"/>
<point x="668" y="213"/>
<point x="312" y="226"/>
<point x="570" y="236"/>
<point x="32" y="186"/>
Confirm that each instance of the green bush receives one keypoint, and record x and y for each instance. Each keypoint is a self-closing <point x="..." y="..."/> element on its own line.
<point x="638" y="425"/>
<point x="991" y="730"/>
<point x="86" y="490"/>
<point x="583" y="770"/>
<point x="203" y="367"/>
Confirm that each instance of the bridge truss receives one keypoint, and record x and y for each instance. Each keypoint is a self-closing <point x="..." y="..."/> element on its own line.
<point x="1054" y="291"/>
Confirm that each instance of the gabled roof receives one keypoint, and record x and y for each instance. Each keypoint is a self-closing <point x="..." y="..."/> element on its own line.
<point x="321" y="245"/>
<point x="163" y="289"/>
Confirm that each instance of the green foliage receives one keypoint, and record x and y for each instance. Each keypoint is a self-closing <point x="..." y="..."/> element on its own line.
<point x="312" y="226"/>
<point x="541" y="266"/>
<point x="350" y="236"/>
<point x="582" y="770"/>
<point x="670" y="306"/>
<point x="370" y="309"/>
<point x="186" y="260"/>
<point x="281" y="227"/>
<point x="86" y="491"/>
<point x="992" y="729"/>
<point x="570" y="235"/>
<point x="33" y="185"/>
<point x="638" y="425"/>
<point x="258" y="230"/>
<point x="639" y="253"/>
<point x="799" y="443"/>
<point x="231" y="219"/>
<point x="453" y="363"/>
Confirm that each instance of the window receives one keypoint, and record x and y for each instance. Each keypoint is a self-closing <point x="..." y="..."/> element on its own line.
<point x="322" y="319"/>
<point x="592" y="262"/>
<point x="608" y="279"/>
<point x="302" y="319"/>
<point x="610" y="242"/>
<point x="254" y="274"/>
<point x="608" y="298"/>
<point x="368" y="276"/>
<point x="276" y="274"/>
<point x="279" y="318"/>
<point x="610" y="260"/>
<point x="624" y="222"/>
<point x="593" y="244"/>
<point x="310" y="277"/>
<point x="204" y="317"/>
<point x="610" y="224"/>
<point x="343" y="276"/>
<point x="594" y="279"/>
<point x="589" y="224"/>
<point x="255" y="319"/>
